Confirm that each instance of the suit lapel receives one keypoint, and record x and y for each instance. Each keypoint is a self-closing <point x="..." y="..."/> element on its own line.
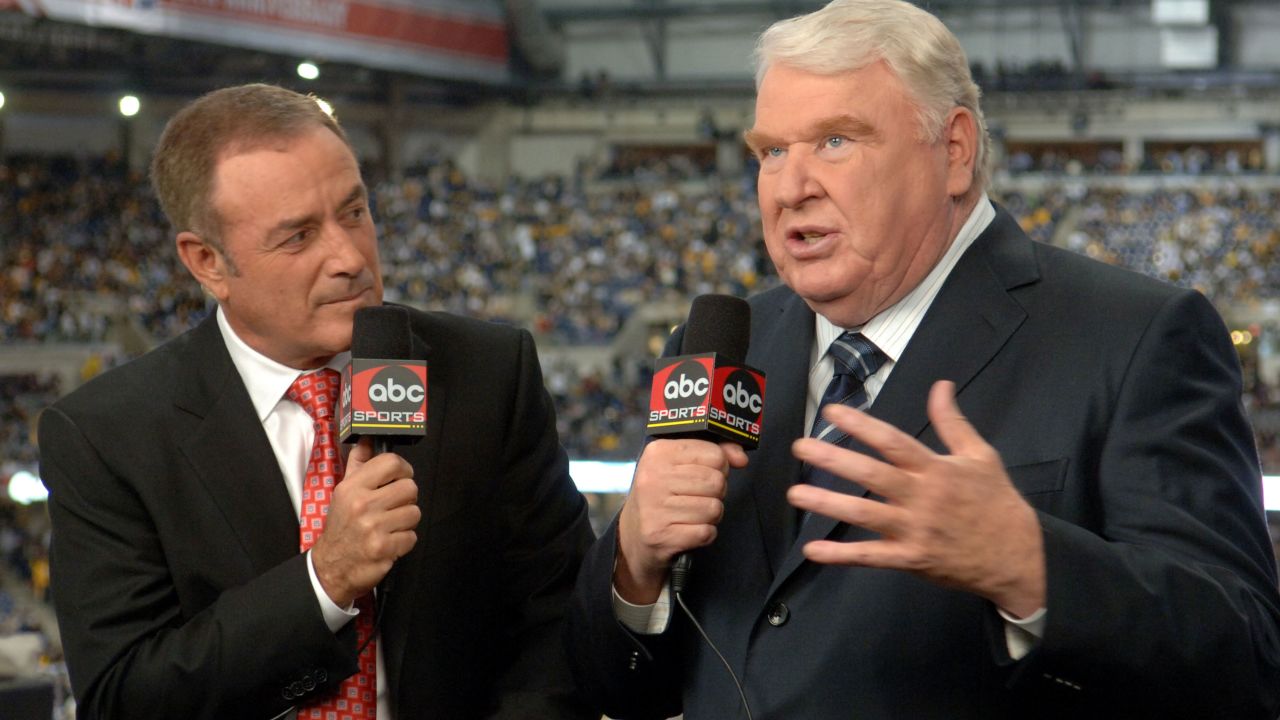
<point x="424" y="455"/>
<point x="230" y="453"/>
<point x="972" y="317"/>
<point x="780" y="346"/>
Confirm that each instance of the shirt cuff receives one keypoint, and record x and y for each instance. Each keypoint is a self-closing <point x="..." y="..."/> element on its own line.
<point x="1021" y="634"/>
<point x="334" y="616"/>
<point x="644" y="619"/>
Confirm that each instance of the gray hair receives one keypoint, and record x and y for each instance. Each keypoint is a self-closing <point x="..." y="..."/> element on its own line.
<point x="848" y="35"/>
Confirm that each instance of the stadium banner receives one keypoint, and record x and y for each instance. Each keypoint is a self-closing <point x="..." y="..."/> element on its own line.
<point x="457" y="39"/>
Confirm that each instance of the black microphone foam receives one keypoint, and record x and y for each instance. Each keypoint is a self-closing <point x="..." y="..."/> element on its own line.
<point x="384" y="388"/>
<point x="381" y="331"/>
<point x="720" y="324"/>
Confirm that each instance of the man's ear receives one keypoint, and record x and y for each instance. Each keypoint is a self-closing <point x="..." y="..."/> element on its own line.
<point x="206" y="263"/>
<point x="960" y="132"/>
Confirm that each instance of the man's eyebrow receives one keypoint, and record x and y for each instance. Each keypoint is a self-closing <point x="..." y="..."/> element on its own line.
<point x="293" y="223"/>
<point x="359" y="192"/>
<point x="757" y="140"/>
<point x="854" y="127"/>
<point x="844" y="125"/>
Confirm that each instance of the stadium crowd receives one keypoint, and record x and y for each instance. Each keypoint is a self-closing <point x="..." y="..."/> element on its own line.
<point x="1223" y="242"/>
<point x="85" y="252"/>
<point x="579" y="261"/>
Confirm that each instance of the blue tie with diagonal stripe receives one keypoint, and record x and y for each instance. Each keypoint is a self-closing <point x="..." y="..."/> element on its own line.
<point x="856" y="359"/>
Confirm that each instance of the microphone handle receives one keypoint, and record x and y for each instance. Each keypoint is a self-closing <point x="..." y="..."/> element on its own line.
<point x="680" y="572"/>
<point x="382" y="444"/>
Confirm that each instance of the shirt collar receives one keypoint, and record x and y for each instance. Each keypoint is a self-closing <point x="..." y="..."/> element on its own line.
<point x="892" y="328"/>
<point x="266" y="380"/>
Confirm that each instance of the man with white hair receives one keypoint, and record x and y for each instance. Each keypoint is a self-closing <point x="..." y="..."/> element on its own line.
<point x="996" y="479"/>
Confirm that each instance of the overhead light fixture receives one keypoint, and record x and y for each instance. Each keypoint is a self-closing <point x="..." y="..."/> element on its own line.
<point x="308" y="70"/>
<point x="130" y="105"/>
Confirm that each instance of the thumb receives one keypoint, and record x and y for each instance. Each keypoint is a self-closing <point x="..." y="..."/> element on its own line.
<point x="953" y="429"/>
<point x="734" y="453"/>
<point x="360" y="454"/>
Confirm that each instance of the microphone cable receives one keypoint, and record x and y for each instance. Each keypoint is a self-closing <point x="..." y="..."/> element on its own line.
<point x="679" y="576"/>
<point x="379" y="604"/>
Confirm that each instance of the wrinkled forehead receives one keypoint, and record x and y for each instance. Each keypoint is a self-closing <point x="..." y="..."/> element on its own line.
<point x="862" y="99"/>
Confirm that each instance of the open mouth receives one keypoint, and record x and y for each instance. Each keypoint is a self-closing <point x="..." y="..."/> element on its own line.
<point x="806" y="239"/>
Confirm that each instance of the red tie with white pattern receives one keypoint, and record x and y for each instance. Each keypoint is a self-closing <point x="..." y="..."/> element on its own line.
<point x="317" y="393"/>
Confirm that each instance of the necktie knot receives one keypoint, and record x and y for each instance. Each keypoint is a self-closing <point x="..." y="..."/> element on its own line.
<point x="855" y="355"/>
<point x="317" y="393"/>
<point x="856" y="359"/>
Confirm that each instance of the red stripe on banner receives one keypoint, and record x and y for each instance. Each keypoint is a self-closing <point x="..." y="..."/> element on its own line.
<point x="468" y="37"/>
<point x="363" y="21"/>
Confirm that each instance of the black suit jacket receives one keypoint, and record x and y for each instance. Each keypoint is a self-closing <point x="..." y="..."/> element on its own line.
<point x="1114" y="401"/>
<point x="177" y="580"/>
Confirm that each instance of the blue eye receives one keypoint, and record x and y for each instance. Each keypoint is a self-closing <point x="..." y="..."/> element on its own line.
<point x="834" y="141"/>
<point x="773" y="151"/>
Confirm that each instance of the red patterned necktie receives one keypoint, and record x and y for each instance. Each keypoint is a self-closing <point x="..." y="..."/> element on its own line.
<point x="317" y="393"/>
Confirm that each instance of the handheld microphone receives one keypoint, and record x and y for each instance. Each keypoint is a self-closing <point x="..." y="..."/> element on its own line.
<point x="707" y="392"/>
<point x="384" y="390"/>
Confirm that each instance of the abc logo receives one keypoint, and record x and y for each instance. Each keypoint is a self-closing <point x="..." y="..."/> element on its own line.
<point x="346" y="387"/>
<point x="743" y="393"/>
<point x="396" y="389"/>
<point x="686" y="386"/>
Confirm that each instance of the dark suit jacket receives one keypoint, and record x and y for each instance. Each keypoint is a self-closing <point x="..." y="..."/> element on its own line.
<point x="1114" y="401"/>
<point x="177" y="579"/>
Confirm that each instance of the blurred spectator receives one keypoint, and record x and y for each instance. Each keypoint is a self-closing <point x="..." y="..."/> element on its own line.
<point x="83" y="245"/>
<point x="1221" y="242"/>
<point x="84" y="250"/>
<point x="22" y="397"/>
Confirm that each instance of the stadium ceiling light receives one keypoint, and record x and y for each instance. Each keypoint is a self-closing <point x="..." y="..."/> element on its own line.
<point x="130" y="105"/>
<point x="1" y="99"/>
<point x="25" y="488"/>
<point x="308" y="70"/>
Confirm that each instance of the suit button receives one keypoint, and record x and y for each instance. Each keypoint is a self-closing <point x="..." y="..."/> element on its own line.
<point x="779" y="614"/>
<point x="308" y="683"/>
<point x="288" y="694"/>
<point x="322" y="675"/>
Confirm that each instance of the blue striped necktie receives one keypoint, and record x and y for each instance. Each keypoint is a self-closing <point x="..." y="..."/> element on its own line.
<point x="856" y="359"/>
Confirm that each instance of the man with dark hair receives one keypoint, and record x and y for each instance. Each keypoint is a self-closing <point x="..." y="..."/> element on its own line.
<point x="214" y="553"/>
<point x="1085" y="541"/>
